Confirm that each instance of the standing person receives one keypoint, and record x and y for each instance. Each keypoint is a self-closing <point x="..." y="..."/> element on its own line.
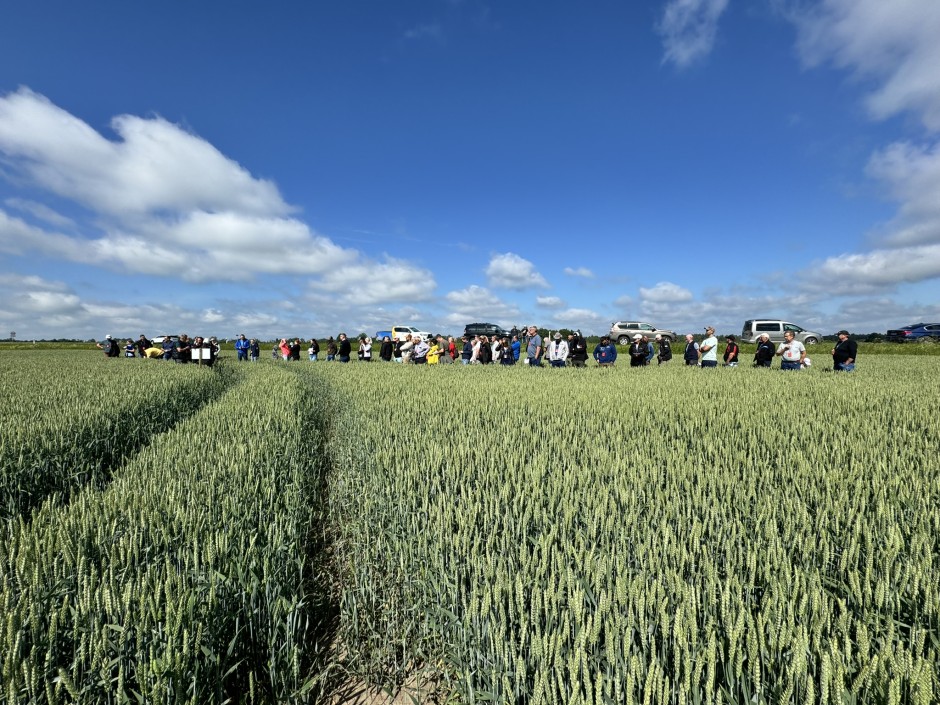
<point x="577" y="349"/>
<point x="475" y="349"/>
<point x="254" y="350"/>
<point x="764" y="354"/>
<point x="420" y="352"/>
<point x="143" y="343"/>
<point x="295" y="350"/>
<point x="691" y="350"/>
<point x="407" y="349"/>
<point x="731" y="352"/>
<point x="434" y="352"/>
<point x="365" y="349"/>
<point x="708" y="350"/>
<point x="637" y="351"/>
<point x="386" y="350"/>
<point x="466" y="354"/>
<point x="241" y="348"/>
<point x="506" y="355"/>
<point x="130" y="348"/>
<point x="451" y="348"/>
<point x="284" y="347"/>
<point x="791" y="352"/>
<point x="650" y="350"/>
<point x="444" y="345"/>
<point x="665" y="350"/>
<point x="605" y="352"/>
<point x="516" y="347"/>
<point x="184" y="347"/>
<point x="484" y="352"/>
<point x="844" y="353"/>
<point x="534" y="348"/>
<point x="344" y="349"/>
<point x="313" y="350"/>
<point x="168" y="346"/>
<point x="557" y="351"/>
<point x="109" y="346"/>
<point x="331" y="349"/>
<point x="396" y="354"/>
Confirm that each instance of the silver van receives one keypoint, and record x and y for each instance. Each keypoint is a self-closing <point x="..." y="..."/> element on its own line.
<point x="775" y="329"/>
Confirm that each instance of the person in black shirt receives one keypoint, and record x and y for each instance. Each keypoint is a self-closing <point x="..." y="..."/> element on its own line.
<point x="844" y="353"/>
<point x="665" y="350"/>
<point x="765" y="351"/>
<point x="731" y="352"/>
<point x="345" y="348"/>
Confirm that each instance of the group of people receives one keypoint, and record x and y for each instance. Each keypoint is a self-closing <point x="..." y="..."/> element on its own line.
<point x="560" y="351"/>
<point x="198" y="350"/>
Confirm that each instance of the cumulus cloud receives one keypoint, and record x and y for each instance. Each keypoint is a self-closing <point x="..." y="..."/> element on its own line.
<point x="875" y="271"/>
<point x="912" y="175"/>
<point x="510" y="271"/>
<point x="666" y="292"/>
<point x="583" y="319"/>
<point x="583" y="272"/>
<point x="892" y="44"/>
<point x="155" y="165"/>
<point x="478" y="304"/>
<point x="549" y="302"/>
<point x="165" y="202"/>
<point x="688" y="29"/>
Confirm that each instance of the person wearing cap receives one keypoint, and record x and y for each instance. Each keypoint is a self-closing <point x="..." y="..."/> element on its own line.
<point x="731" y="352"/>
<point x="241" y="348"/>
<point x="637" y="351"/>
<point x="791" y="352"/>
<point x="665" y="350"/>
<point x="557" y="351"/>
<point x="708" y="350"/>
<point x="605" y="353"/>
<point x="844" y="353"/>
<point x="691" y="350"/>
<point x="109" y="346"/>
<point x="577" y="349"/>
<point x="764" y="354"/>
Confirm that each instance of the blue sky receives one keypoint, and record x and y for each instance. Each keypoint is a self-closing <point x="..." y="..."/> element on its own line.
<point x="301" y="168"/>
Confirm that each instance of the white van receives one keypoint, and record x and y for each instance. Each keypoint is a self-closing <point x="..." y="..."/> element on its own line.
<point x="775" y="329"/>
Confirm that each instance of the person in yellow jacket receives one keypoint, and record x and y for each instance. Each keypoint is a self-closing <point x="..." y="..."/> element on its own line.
<point x="434" y="354"/>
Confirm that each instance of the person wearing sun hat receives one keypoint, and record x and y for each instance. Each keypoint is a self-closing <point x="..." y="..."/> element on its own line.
<point x="708" y="350"/>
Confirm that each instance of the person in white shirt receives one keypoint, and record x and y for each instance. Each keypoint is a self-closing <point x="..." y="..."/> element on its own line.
<point x="558" y="351"/>
<point x="792" y="352"/>
<point x="708" y="350"/>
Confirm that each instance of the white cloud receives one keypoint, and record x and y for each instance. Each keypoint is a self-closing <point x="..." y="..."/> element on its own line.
<point x="365" y="283"/>
<point x="477" y="304"/>
<point x="583" y="272"/>
<point x="549" y="302"/>
<point x="155" y="166"/>
<point x="40" y="211"/>
<point x="912" y="175"/>
<point x="510" y="271"/>
<point x="689" y="28"/>
<point x="875" y="271"/>
<point x="665" y="292"/>
<point x="893" y="44"/>
<point x="586" y="320"/>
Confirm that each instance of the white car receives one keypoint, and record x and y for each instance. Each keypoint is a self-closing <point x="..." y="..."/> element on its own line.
<point x="400" y="332"/>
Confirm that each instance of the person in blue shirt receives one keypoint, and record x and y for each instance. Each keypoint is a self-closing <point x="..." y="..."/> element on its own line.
<point x="605" y="353"/>
<point x="241" y="348"/>
<point x="516" y="347"/>
<point x="650" y="350"/>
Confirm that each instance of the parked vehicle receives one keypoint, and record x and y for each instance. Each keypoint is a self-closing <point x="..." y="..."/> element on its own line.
<point x="915" y="331"/>
<point x="488" y="329"/>
<point x="400" y="332"/>
<point x="775" y="328"/>
<point x="623" y="331"/>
